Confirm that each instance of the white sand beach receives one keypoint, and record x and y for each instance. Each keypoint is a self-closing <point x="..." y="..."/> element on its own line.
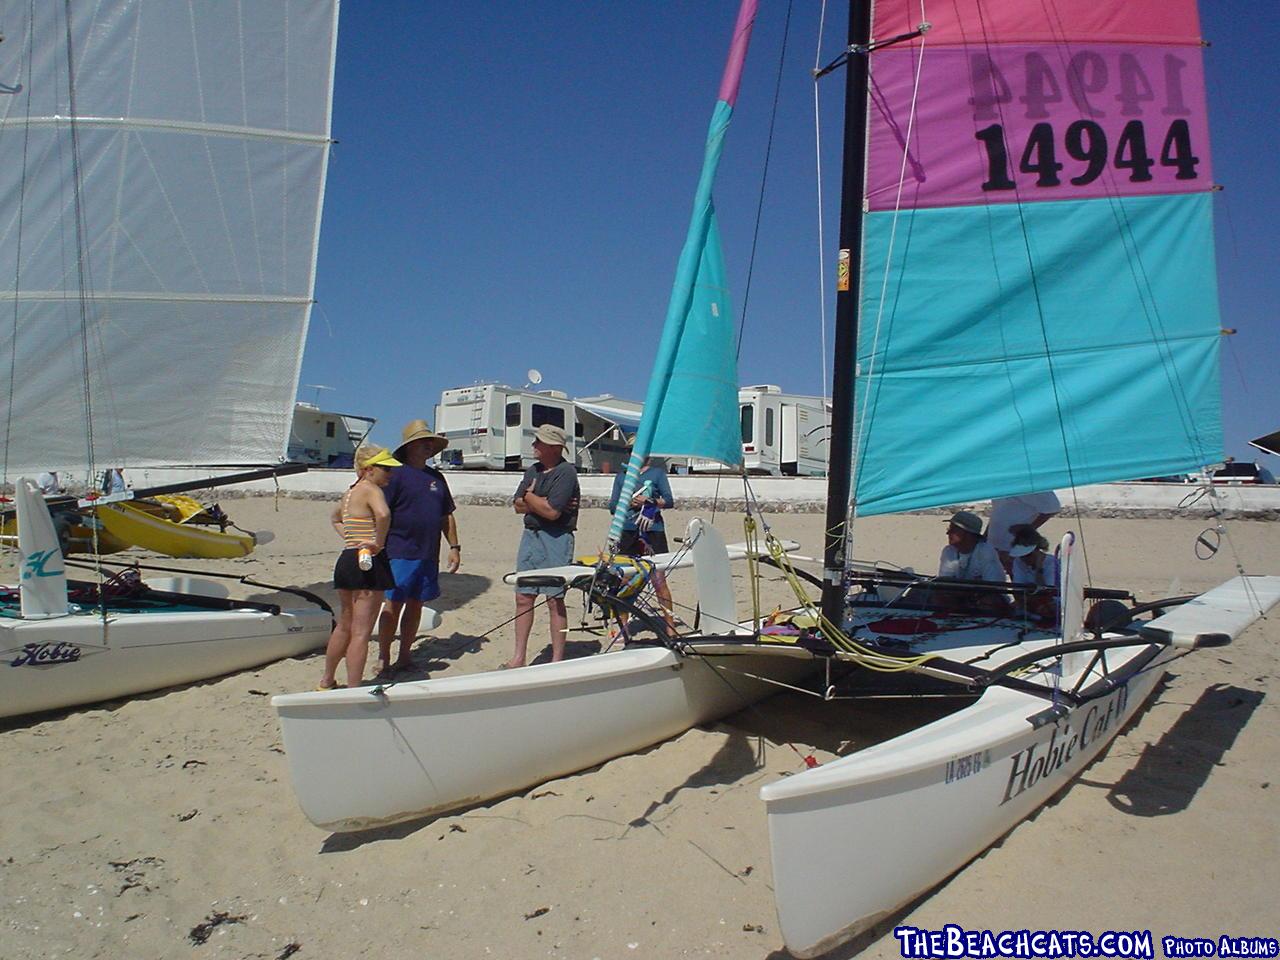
<point x="138" y="827"/>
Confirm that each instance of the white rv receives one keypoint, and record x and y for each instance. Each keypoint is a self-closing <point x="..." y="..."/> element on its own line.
<point x="490" y="426"/>
<point x="323" y="439"/>
<point x="782" y="434"/>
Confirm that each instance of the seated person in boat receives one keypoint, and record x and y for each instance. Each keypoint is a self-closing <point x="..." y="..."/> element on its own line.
<point x="113" y="481"/>
<point x="643" y="532"/>
<point x="1031" y="509"/>
<point x="967" y="556"/>
<point x="547" y="500"/>
<point x="1034" y="565"/>
<point x="49" y="483"/>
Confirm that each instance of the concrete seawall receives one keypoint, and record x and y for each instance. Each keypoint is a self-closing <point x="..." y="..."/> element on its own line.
<point x="775" y="494"/>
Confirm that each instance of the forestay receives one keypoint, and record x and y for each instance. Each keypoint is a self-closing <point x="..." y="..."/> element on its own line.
<point x="1048" y="247"/>
<point x="164" y="167"/>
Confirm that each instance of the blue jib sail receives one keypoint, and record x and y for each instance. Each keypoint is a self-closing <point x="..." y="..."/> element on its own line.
<point x="1039" y="304"/>
<point x="691" y="408"/>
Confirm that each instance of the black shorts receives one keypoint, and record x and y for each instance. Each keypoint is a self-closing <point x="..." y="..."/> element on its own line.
<point x="347" y="574"/>
<point x="655" y="541"/>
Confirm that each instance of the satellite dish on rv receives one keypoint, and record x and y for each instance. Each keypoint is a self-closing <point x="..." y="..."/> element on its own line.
<point x="535" y="377"/>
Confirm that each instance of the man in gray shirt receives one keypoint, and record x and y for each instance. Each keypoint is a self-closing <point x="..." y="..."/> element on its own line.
<point x="547" y="498"/>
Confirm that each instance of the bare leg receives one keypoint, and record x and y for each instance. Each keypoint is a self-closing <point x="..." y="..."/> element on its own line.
<point x="386" y="632"/>
<point x="559" y="626"/>
<point x="409" y="621"/>
<point x="524" y="624"/>
<point x="663" y="593"/>
<point x="362" y="620"/>
<point x="339" y="639"/>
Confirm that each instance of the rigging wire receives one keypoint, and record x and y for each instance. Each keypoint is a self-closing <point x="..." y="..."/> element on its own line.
<point x="864" y="421"/>
<point x="822" y="242"/>
<point x="85" y="282"/>
<point x="764" y="177"/>
<point x="28" y="50"/>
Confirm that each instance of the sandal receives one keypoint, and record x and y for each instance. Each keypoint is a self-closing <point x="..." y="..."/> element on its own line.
<point x="336" y="685"/>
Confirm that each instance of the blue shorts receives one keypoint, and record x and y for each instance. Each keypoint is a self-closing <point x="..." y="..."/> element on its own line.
<point x="415" y="580"/>
<point x="539" y="550"/>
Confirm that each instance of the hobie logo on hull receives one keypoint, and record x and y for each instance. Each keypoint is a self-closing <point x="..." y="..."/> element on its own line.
<point x="1040" y="760"/>
<point x="46" y="654"/>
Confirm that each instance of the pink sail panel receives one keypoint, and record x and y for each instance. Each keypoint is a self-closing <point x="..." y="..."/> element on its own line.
<point x="1028" y="122"/>
<point x="738" y="52"/>
<point x="1060" y="21"/>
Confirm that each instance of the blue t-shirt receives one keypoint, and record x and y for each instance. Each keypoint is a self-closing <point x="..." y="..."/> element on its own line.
<point x="419" y="502"/>
<point x="657" y="476"/>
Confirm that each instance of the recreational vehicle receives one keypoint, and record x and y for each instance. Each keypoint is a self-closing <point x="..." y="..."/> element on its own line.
<point x="782" y="434"/>
<point x="322" y="439"/>
<point x="490" y="426"/>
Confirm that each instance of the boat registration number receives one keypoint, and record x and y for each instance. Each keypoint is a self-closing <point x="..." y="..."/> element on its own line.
<point x="967" y="765"/>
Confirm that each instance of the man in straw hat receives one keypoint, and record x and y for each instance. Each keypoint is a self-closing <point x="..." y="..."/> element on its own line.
<point x="547" y="499"/>
<point x="421" y="510"/>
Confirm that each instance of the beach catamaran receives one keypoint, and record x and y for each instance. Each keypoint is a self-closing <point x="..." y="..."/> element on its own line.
<point x="1026" y="240"/>
<point x="164" y="166"/>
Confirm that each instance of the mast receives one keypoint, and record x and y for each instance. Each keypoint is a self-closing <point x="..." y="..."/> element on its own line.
<point x="848" y="293"/>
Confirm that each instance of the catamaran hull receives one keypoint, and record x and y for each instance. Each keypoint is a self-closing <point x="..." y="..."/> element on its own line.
<point x="73" y="660"/>
<point x="360" y="759"/>
<point x="860" y="837"/>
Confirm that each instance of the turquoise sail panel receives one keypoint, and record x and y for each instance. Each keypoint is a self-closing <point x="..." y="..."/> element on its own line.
<point x="696" y="403"/>
<point x="691" y="408"/>
<point x="1025" y="347"/>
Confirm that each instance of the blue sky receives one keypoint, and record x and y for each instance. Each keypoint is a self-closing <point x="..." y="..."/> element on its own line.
<point x="512" y="182"/>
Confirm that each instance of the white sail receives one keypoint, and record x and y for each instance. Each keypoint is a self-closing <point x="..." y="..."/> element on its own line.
<point x="162" y="173"/>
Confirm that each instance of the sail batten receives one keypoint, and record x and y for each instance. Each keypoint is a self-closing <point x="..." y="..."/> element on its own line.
<point x="1052" y="316"/>
<point x="165" y="169"/>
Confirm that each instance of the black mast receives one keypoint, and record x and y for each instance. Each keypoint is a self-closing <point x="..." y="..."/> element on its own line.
<point x="847" y="297"/>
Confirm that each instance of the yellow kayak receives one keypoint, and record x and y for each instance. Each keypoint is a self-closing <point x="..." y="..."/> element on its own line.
<point x="132" y="525"/>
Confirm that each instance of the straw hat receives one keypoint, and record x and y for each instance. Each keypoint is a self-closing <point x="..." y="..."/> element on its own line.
<point x="418" y="430"/>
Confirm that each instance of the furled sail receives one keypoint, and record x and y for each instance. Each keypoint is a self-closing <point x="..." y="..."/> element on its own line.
<point x="163" y="170"/>
<point x="691" y="408"/>
<point x="1039" y="304"/>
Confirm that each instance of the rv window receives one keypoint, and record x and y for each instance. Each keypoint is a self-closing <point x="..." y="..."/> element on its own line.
<point x="579" y="430"/>
<point x="328" y="428"/>
<point x="513" y="414"/>
<point x="768" y="428"/>
<point x="748" y="419"/>
<point x="544" y="414"/>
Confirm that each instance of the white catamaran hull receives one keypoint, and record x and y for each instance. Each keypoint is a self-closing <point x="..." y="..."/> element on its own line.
<point x="360" y="759"/>
<point x="71" y="660"/>
<point x="860" y="837"/>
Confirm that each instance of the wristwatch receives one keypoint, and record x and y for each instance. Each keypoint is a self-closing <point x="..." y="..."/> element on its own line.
<point x="455" y="546"/>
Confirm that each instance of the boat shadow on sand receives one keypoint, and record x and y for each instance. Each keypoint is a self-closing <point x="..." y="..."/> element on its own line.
<point x="432" y="652"/>
<point x="1166" y="778"/>
<point x="1171" y="771"/>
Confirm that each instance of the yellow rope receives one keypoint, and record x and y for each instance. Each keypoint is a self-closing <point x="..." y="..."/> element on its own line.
<point x="862" y="655"/>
